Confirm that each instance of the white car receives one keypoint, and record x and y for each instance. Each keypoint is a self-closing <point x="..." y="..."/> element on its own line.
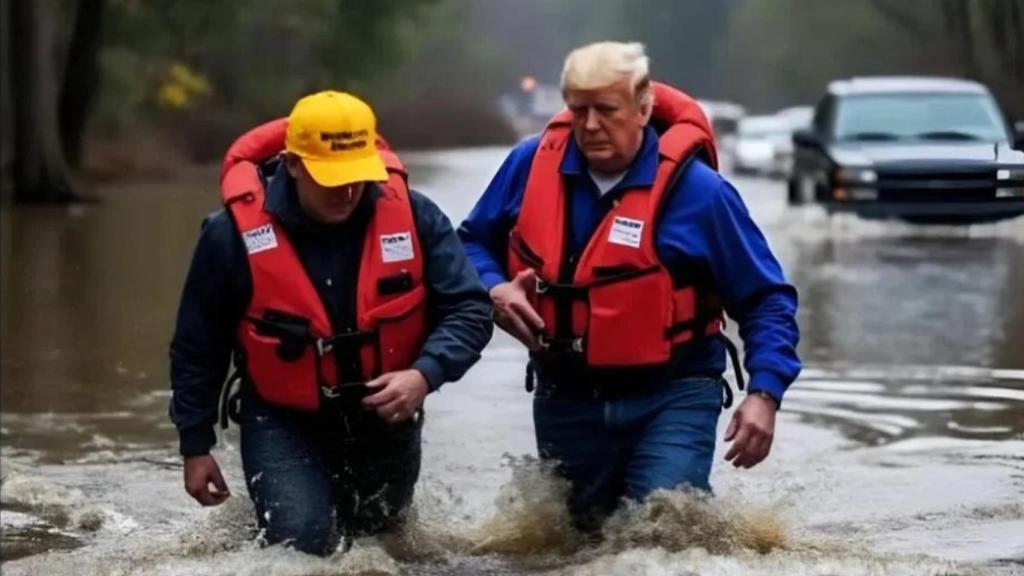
<point x="757" y="139"/>
<point x="799" y="118"/>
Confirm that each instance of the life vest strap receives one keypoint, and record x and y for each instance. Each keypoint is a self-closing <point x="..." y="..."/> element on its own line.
<point x="230" y="400"/>
<point x="326" y="345"/>
<point x="734" y="357"/>
<point x="563" y="290"/>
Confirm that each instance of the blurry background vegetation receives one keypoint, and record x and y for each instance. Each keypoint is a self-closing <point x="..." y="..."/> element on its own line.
<point x="112" y="88"/>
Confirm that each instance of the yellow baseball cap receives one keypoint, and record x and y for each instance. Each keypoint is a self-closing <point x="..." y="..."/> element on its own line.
<point x="335" y="133"/>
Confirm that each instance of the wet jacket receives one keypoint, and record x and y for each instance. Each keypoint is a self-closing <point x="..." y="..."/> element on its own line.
<point x="703" y="226"/>
<point x="219" y="287"/>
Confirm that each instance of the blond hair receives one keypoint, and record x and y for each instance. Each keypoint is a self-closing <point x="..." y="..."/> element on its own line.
<point x="602" y="64"/>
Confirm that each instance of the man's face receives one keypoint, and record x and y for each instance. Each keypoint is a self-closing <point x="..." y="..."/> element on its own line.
<point x="323" y="204"/>
<point x="608" y="124"/>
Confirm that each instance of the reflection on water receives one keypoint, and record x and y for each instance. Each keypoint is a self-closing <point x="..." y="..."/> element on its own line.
<point x="900" y="451"/>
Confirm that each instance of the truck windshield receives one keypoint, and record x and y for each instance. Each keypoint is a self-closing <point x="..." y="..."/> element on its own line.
<point x="907" y="116"/>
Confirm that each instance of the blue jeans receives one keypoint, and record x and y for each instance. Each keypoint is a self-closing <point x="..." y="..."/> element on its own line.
<point x="315" y="477"/>
<point x="629" y="447"/>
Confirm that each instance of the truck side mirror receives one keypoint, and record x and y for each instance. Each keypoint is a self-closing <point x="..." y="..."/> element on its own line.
<point x="807" y="139"/>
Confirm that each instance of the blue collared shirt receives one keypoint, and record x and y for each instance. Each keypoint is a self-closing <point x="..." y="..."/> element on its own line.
<point x="704" y="221"/>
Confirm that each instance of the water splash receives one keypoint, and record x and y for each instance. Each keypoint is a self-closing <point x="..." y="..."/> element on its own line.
<point x="532" y="517"/>
<point x="676" y="520"/>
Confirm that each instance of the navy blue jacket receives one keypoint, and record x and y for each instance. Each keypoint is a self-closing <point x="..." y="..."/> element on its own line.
<point x="704" y="221"/>
<point x="219" y="287"/>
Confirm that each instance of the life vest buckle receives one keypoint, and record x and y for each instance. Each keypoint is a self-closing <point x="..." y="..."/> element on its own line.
<point x="561" y="345"/>
<point x="336" y="391"/>
<point x="324" y="346"/>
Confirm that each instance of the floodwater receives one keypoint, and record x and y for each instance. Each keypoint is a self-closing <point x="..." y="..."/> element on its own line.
<point x="900" y="451"/>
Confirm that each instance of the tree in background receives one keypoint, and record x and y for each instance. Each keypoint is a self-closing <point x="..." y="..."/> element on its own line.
<point x="784" y="52"/>
<point x="81" y="77"/>
<point x="201" y="71"/>
<point x="41" y="173"/>
<point x="254" y="58"/>
<point x="982" y="39"/>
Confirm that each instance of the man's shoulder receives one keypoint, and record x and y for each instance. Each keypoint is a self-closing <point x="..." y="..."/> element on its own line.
<point x="700" y="183"/>
<point x="427" y="213"/>
<point x="219" y="223"/>
<point x="219" y="231"/>
<point x="522" y="153"/>
<point x="422" y="204"/>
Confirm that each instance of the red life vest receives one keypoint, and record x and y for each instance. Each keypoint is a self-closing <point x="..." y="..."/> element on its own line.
<point x="619" y="307"/>
<point x="286" y="335"/>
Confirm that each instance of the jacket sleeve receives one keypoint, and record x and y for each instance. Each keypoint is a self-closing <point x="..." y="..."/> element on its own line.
<point x="706" y="218"/>
<point x="208" y="315"/>
<point x="484" y="233"/>
<point x="459" y="306"/>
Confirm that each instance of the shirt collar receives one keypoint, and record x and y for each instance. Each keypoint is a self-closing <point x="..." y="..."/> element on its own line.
<point x="641" y="172"/>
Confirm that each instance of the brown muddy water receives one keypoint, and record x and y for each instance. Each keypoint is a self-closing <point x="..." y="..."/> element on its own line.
<point x="900" y="451"/>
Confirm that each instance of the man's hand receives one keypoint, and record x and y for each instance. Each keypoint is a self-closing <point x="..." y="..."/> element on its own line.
<point x="200" y="473"/>
<point x="513" y="312"/>
<point x="753" y="428"/>
<point x="398" y="395"/>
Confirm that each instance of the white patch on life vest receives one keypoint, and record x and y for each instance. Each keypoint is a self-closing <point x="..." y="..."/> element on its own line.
<point x="396" y="247"/>
<point x="260" y="239"/>
<point x="626" y="231"/>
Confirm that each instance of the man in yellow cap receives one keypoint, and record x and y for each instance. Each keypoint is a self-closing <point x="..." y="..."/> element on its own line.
<point x="343" y="299"/>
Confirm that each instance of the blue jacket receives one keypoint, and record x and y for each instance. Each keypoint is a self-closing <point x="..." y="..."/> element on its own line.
<point x="703" y="220"/>
<point x="219" y="287"/>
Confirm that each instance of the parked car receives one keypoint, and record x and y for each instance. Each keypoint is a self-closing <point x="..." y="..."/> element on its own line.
<point x="724" y="116"/>
<point x="921" y="149"/>
<point x="757" y="139"/>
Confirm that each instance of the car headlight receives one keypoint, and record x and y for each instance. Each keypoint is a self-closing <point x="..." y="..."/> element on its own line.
<point x="1004" y="174"/>
<point x="856" y="176"/>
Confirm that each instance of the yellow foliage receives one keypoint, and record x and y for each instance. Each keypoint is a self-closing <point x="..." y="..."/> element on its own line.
<point x="180" y="87"/>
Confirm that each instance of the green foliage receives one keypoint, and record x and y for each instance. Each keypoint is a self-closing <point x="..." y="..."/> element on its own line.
<point x="256" y="58"/>
<point x="206" y="69"/>
<point x="782" y="52"/>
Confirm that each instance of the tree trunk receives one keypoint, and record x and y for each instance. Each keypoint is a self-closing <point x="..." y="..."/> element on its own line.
<point x="40" y="171"/>
<point x="1015" y="23"/>
<point x="957" y="15"/>
<point x="6" y="106"/>
<point x="81" y="76"/>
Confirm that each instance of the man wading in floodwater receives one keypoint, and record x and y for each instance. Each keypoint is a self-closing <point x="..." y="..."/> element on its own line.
<point x="611" y="247"/>
<point x="345" y="298"/>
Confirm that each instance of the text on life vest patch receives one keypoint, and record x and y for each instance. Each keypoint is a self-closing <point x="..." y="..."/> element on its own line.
<point x="396" y="247"/>
<point x="626" y="231"/>
<point x="260" y="239"/>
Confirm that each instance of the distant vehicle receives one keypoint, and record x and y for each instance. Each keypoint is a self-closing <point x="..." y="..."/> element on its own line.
<point x="798" y="118"/>
<point x="757" y="140"/>
<point x="921" y="149"/>
<point x="724" y="116"/>
<point x="528" y="109"/>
